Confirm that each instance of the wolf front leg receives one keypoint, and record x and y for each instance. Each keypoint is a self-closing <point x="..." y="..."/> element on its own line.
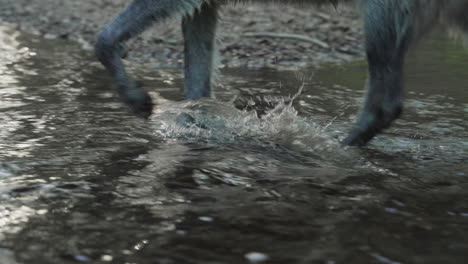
<point x="200" y="50"/>
<point x="137" y="17"/>
<point x="389" y="31"/>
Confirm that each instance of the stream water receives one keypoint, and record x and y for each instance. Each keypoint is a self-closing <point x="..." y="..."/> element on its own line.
<point x="84" y="181"/>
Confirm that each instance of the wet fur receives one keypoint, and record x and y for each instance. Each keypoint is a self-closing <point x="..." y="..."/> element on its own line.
<point x="390" y="26"/>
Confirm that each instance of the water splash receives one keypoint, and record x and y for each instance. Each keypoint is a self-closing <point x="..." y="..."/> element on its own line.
<point x="217" y="122"/>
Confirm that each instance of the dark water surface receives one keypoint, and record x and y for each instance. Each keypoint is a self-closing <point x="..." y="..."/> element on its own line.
<point x="83" y="181"/>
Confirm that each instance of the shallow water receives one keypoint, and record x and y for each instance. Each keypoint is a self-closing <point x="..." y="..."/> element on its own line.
<point x="83" y="181"/>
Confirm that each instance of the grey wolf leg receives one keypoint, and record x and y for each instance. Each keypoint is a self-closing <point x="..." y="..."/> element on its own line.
<point x="389" y="29"/>
<point x="199" y="40"/>
<point x="138" y="16"/>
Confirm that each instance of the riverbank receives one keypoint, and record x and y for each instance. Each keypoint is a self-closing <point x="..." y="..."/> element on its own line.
<point x="251" y="35"/>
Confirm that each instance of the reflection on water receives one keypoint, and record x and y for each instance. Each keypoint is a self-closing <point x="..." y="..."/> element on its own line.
<point x="82" y="181"/>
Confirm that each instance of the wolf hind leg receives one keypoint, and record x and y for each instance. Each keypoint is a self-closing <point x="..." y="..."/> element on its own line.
<point x="137" y="17"/>
<point x="199" y="31"/>
<point x="389" y="31"/>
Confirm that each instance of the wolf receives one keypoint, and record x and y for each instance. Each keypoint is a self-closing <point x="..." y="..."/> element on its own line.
<point x="390" y="27"/>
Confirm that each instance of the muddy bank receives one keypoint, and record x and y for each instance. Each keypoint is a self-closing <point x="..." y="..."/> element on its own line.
<point x="337" y="33"/>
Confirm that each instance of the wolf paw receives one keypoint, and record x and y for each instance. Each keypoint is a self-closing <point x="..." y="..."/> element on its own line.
<point x="136" y="98"/>
<point x="371" y="123"/>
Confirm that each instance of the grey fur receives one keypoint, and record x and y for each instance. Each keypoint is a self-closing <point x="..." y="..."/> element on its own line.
<point x="200" y="51"/>
<point x="390" y="26"/>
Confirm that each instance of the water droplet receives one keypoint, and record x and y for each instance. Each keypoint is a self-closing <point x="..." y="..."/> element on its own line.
<point x="256" y="257"/>
<point x="206" y="219"/>
<point x="42" y="211"/>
